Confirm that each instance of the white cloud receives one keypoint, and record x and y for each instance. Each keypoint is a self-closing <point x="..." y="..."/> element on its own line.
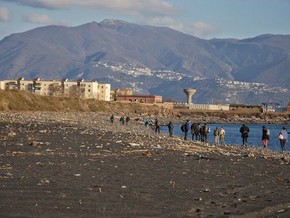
<point x="42" y="19"/>
<point x="4" y="14"/>
<point x="202" y="29"/>
<point x="137" y="7"/>
<point x="198" y="29"/>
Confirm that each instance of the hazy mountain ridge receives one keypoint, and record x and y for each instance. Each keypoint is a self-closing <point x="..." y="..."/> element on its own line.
<point x="132" y="55"/>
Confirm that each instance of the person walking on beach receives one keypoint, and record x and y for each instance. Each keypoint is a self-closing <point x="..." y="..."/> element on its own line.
<point x="193" y="128"/>
<point x="112" y="118"/>
<point x="170" y="128"/>
<point x="186" y="127"/>
<point x="122" y="120"/>
<point x="283" y="138"/>
<point x="127" y="120"/>
<point x="265" y="136"/>
<point x="146" y="123"/>
<point x="244" y="130"/>
<point x="206" y="131"/>
<point x="222" y="136"/>
<point x="216" y="135"/>
<point x="197" y="132"/>
<point x="157" y="126"/>
<point x="201" y="132"/>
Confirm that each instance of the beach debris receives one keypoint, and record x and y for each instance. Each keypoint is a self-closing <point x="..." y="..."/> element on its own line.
<point x="77" y="174"/>
<point x="206" y="190"/>
<point x="172" y="183"/>
<point x="156" y="146"/>
<point x="43" y="181"/>
<point x="249" y="155"/>
<point x="11" y="134"/>
<point x="147" y="154"/>
<point x="36" y="143"/>
<point x="227" y="212"/>
<point x="134" y="144"/>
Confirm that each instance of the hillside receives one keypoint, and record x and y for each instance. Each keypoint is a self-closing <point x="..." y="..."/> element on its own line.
<point x="145" y="57"/>
<point x="23" y="101"/>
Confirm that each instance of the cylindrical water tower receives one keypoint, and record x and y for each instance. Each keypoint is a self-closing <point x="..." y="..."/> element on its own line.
<point x="189" y="93"/>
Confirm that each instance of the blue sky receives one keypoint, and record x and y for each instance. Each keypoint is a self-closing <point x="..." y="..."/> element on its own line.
<point x="201" y="18"/>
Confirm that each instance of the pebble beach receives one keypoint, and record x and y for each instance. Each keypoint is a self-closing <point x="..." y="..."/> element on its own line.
<point x="69" y="164"/>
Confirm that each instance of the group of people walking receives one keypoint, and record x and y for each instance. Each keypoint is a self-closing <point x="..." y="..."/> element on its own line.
<point x="282" y="136"/>
<point x="123" y="120"/>
<point x="200" y="132"/>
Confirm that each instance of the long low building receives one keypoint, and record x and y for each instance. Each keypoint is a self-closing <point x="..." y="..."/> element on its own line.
<point x="150" y="99"/>
<point x="80" y="88"/>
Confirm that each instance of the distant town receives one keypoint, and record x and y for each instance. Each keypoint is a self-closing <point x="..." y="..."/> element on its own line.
<point x="103" y="92"/>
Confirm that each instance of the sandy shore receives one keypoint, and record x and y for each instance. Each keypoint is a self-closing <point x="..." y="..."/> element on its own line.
<point x="81" y="165"/>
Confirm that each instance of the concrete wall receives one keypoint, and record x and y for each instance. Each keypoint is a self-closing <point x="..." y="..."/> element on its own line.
<point x="224" y="107"/>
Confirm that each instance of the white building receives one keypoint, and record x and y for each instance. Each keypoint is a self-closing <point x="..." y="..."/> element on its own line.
<point x="80" y="88"/>
<point x="104" y="92"/>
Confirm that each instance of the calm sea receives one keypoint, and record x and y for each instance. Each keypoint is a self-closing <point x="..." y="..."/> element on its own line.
<point x="233" y="135"/>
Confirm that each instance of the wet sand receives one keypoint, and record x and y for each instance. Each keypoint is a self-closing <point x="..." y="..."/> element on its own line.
<point x="81" y="165"/>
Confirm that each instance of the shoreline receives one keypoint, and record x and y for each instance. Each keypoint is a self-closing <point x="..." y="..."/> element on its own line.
<point x="86" y="166"/>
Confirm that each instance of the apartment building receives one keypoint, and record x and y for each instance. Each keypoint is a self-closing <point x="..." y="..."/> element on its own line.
<point x="104" y="92"/>
<point x="80" y="88"/>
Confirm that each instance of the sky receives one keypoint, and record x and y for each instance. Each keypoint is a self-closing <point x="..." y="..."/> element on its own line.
<point x="205" y="19"/>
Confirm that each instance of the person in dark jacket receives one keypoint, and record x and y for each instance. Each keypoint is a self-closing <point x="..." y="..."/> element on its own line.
<point x="112" y="118"/>
<point x="193" y="128"/>
<point x="187" y="127"/>
<point x="206" y="131"/>
<point x="244" y="130"/>
<point x="201" y="132"/>
<point x="157" y="126"/>
<point x="197" y="132"/>
<point x="127" y="120"/>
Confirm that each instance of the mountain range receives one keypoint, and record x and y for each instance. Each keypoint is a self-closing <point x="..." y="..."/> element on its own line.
<point x="155" y="60"/>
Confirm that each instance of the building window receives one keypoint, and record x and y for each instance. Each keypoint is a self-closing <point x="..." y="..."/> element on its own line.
<point x="89" y="90"/>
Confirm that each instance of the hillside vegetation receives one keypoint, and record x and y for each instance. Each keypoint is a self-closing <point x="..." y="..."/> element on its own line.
<point x="23" y="101"/>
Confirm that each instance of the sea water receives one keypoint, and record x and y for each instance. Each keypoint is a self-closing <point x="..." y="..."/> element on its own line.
<point x="233" y="135"/>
